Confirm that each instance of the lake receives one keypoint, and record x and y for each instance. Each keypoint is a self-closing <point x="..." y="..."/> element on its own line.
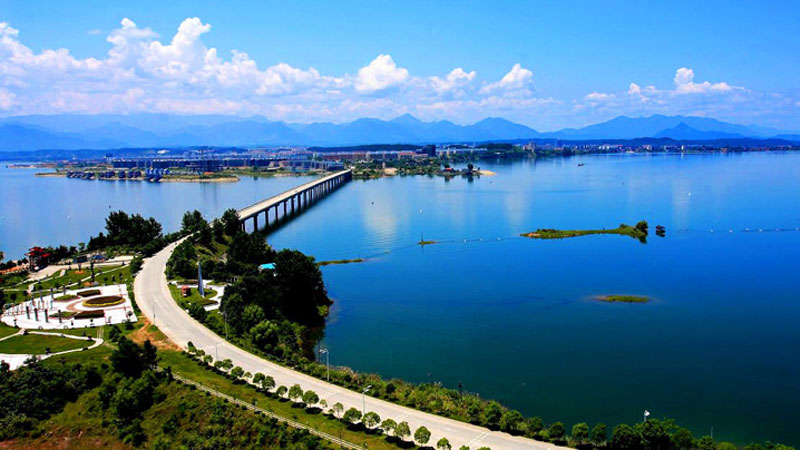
<point x="513" y="318"/>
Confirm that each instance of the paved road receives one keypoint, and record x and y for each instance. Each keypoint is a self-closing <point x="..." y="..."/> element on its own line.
<point x="155" y="301"/>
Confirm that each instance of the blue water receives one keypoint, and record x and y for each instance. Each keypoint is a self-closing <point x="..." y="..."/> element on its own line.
<point x="52" y="211"/>
<point x="512" y="318"/>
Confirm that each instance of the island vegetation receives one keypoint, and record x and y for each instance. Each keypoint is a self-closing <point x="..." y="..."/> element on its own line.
<point x="623" y="299"/>
<point x="340" y="261"/>
<point x="639" y="232"/>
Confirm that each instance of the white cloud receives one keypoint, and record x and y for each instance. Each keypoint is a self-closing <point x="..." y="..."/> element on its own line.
<point x="454" y="80"/>
<point x="518" y="78"/>
<point x="380" y="74"/>
<point x="684" y="83"/>
<point x="6" y="99"/>
<point x="599" y="96"/>
<point x="181" y="73"/>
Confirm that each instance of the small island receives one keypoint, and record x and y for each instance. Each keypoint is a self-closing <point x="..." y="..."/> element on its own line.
<point x="340" y="261"/>
<point x="637" y="232"/>
<point x="622" y="299"/>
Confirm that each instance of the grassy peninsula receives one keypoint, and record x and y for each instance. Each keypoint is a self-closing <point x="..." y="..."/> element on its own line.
<point x="639" y="231"/>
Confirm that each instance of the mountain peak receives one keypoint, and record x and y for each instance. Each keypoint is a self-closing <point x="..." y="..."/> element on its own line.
<point x="406" y="119"/>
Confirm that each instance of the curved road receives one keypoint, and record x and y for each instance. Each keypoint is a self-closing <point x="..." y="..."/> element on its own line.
<point x="155" y="301"/>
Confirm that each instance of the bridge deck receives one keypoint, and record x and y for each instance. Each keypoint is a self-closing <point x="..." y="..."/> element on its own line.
<point x="252" y="210"/>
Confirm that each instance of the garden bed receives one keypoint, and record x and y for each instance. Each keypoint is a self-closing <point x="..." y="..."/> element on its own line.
<point x="101" y="302"/>
<point x="89" y="293"/>
<point x="89" y="314"/>
<point x="64" y="298"/>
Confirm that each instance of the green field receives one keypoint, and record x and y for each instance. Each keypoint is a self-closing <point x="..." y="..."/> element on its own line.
<point x="6" y="330"/>
<point x="37" y="344"/>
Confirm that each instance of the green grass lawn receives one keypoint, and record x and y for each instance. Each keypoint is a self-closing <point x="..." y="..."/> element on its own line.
<point x="194" y="297"/>
<point x="185" y="366"/>
<point x="37" y="344"/>
<point x="6" y="330"/>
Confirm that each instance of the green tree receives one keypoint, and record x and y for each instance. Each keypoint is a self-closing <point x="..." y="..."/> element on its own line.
<point x="310" y="398"/>
<point x="624" y="437"/>
<point x="130" y="360"/>
<point x="599" y="434"/>
<point x="295" y="393"/>
<point x="337" y="409"/>
<point x="682" y="439"/>
<point x="267" y="383"/>
<point x="352" y="416"/>
<point x="281" y="391"/>
<point x="654" y="435"/>
<point x="192" y="221"/>
<point x="402" y="431"/>
<point x="492" y="414"/>
<point x="237" y="372"/>
<point x="388" y="426"/>
<point x="510" y="421"/>
<point x="371" y="419"/>
<point x="580" y="432"/>
<point x="443" y="444"/>
<point x="230" y="222"/>
<point x="249" y="248"/>
<point x="706" y="443"/>
<point x="557" y="431"/>
<point x="422" y="435"/>
<point x="258" y="378"/>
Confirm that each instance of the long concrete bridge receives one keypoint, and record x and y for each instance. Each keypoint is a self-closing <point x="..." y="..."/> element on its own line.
<point x="293" y="200"/>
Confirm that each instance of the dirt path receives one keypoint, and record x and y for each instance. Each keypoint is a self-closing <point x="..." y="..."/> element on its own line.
<point x="156" y="337"/>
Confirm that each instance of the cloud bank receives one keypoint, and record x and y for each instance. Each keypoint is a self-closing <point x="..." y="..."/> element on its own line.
<point x="142" y="72"/>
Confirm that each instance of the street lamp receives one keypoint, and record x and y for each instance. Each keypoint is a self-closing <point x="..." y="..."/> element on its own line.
<point x="327" y="361"/>
<point x="364" y="400"/>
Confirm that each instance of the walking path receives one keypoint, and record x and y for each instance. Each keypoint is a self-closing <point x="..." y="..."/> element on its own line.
<point x="155" y="301"/>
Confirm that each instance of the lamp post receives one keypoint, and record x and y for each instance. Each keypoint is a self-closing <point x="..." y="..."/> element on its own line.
<point x="327" y="362"/>
<point x="364" y="400"/>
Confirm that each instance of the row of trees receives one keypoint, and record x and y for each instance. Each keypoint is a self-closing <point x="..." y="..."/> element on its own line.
<point x="370" y="421"/>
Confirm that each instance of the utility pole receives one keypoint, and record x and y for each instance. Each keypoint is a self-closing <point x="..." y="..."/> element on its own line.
<point x="327" y="361"/>
<point x="364" y="400"/>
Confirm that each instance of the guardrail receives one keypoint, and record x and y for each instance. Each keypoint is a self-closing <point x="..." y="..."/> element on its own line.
<point x="254" y="408"/>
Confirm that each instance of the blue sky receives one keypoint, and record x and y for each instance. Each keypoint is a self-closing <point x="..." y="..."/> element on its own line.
<point x="544" y="64"/>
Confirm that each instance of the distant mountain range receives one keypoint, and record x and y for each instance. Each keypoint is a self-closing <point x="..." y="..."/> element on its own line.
<point x="105" y="131"/>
